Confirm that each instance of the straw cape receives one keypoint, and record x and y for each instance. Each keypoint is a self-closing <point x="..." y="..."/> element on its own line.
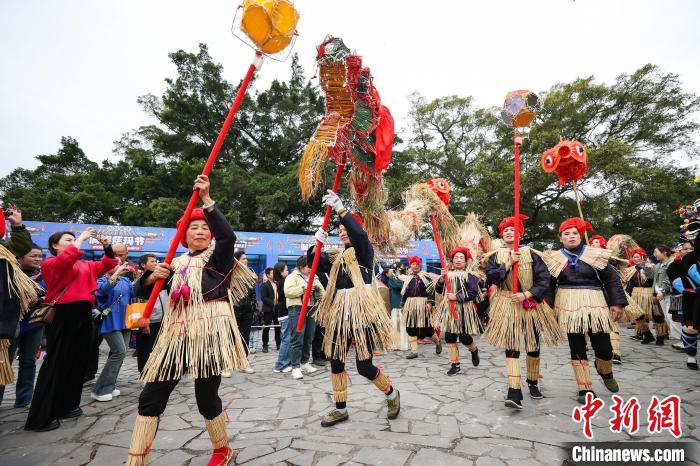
<point x="20" y="285"/>
<point x="579" y="309"/>
<point x="199" y="337"/>
<point x="467" y="319"/>
<point x="353" y="313"/>
<point x="511" y="326"/>
<point x="413" y="313"/>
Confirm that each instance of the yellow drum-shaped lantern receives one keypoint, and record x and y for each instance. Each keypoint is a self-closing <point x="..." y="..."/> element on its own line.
<point x="520" y="108"/>
<point x="270" y="24"/>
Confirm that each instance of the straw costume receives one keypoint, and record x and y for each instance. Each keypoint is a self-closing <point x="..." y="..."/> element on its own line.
<point x="417" y="304"/>
<point x="520" y="326"/>
<point x="583" y="289"/>
<point x="352" y="310"/>
<point x="464" y="283"/>
<point x="640" y="285"/>
<point x="199" y="337"/>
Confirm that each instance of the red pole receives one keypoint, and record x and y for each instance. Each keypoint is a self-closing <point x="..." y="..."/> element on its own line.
<point x="318" y="250"/>
<point x="442" y="263"/>
<point x="518" y="139"/>
<point x="158" y="285"/>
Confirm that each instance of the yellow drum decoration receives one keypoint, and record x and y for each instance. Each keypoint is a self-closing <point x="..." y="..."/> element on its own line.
<point x="270" y="24"/>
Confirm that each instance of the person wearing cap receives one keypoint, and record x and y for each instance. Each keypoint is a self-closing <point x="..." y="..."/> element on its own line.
<point x="463" y="293"/>
<point x="640" y="286"/>
<point x="417" y="301"/>
<point x="199" y="335"/>
<point x="519" y="321"/>
<point x="587" y="297"/>
<point x="352" y="309"/>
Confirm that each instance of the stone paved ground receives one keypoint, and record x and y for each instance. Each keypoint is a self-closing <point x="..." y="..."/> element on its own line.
<point x="444" y="420"/>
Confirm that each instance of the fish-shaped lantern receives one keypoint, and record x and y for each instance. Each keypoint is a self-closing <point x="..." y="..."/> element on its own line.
<point x="567" y="160"/>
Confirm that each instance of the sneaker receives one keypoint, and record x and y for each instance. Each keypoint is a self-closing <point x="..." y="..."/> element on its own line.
<point x="334" y="417"/>
<point x="296" y="373"/>
<point x="116" y="392"/>
<point x="319" y="362"/>
<point x="265" y="349"/>
<point x="308" y="368"/>
<point x="475" y="358"/>
<point x="105" y="397"/>
<point x="248" y="370"/>
<point x="659" y="341"/>
<point x="611" y="385"/>
<point x="647" y="338"/>
<point x="411" y="355"/>
<point x="582" y="396"/>
<point x="73" y="413"/>
<point x="253" y="350"/>
<point x="226" y="374"/>
<point x="513" y="403"/>
<point x="535" y="392"/>
<point x="637" y="336"/>
<point x="50" y="426"/>
<point x="617" y="359"/>
<point x="287" y="369"/>
<point x="692" y="363"/>
<point x="454" y="370"/>
<point x="678" y="346"/>
<point x="393" y="406"/>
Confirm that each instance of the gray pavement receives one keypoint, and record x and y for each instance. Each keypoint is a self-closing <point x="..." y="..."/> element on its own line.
<point x="275" y="419"/>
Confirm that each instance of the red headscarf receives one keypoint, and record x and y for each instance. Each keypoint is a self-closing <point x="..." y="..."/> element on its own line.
<point x="576" y="222"/>
<point x="639" y="251"/>
<point x="510" y="222"/>
<point x="197" y="214"/>
<point x="412" y="259"/>
<point x="463" y="250"/>
<point x="603" y="241"/>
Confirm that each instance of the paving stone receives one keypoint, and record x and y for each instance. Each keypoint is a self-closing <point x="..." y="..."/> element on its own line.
<point x="423" y="428"/>
<point x="305" y="459"/>
<point x="332" y="460"/>
<point x="279" y="456"/>
<point x="473" y="447"/>
<point x="321" y="446"/>
<point x="438" y="458"/>
<point x="488" y="461"/>
<point x="410" y="439"/>
<point x="252" y="452"/>
<point x="382" y="456"/>
<point x="171" y="458"/>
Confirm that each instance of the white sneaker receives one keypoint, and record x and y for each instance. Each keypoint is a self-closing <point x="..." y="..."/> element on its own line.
<point x="308" y="368"/>
<point x="287" y="369"/>
<point x="248" y="370"/>
<point x="276" y="371"/>
<point x="116" y="392"/>
<point x="226" y="374"/>
<point x="253" y="350"/>
<point x="296" y="373"/>
<point x="106" y="397"/>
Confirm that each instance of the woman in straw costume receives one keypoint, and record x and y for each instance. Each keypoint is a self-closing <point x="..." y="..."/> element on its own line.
<point x="464" y="292"/>
<point x="588" y="298"/>
<point x="519" y="320"/>
<point x="352" y="309"/>
<point x="199" y="335"/>
<point x="640" y="285"/>
<point x="417" y="301"/>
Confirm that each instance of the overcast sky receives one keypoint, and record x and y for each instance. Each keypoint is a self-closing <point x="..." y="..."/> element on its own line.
<point x="75" y="68"/>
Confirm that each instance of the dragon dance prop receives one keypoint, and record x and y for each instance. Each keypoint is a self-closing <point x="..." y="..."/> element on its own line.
<point x="355" y="128"/>
<point x="567" y="160"/>
<point x="519" y="110"/>
<point x="271" y="26"/>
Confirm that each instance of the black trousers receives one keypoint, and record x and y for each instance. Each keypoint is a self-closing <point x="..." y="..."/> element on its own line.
<point x="245" y="321"/>
<point x="600" y="341"/>
<point x="414" y="331"/>
<point x="154" y="397"/>
<point x="270" y="318"/>
<point x="463" y="337"/>
<point x="365" y="368"/>
<point x="317" y="344"/>
<point x="144" y="344"/>
<point x="94" y="351"/>
<point x="60" y="382"/>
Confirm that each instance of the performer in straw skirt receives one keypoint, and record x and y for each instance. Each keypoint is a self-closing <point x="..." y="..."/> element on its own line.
<point x="588" y="298"/>
<point x="519" y="321"/>
<point x="352" y="309"/>
<point x="199" y="335"/>
<point x="464" y="291"/>
<point x="640" y="285"/>
<point x="417" y="301"/>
